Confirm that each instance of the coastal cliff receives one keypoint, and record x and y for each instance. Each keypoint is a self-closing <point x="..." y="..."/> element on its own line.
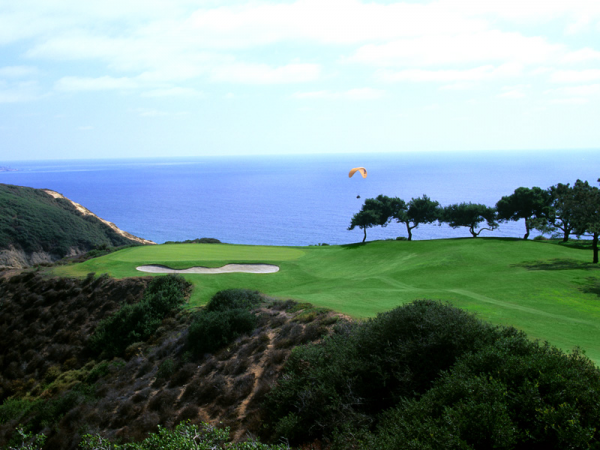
<point x="41" y="226"/>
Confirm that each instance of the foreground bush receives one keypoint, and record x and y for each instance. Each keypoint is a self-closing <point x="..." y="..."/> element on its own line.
<point x="137" y="322"/>
<point x="502" y="388"/>
<point x="226" y="316"/>
<point x="184" y="437"/>
<point x="234" y="299"/>
<point x="514" y="394"/>
<point x="212" y="330"/>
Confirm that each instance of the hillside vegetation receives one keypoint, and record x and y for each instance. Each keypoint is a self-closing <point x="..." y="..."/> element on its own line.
<point x="35" y="227"/>
<point x="425" y="375"/>
<point x="115" y="357"/>
<point x="549" y="290"/>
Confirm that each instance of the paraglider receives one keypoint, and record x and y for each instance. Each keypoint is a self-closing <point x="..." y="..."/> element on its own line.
<point x="360" y="170"/>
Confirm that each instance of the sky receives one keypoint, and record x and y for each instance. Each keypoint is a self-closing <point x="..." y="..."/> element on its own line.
<point x="161" y="78"/>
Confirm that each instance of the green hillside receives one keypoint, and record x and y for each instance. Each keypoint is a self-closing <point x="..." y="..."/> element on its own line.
<point x="33" y="221"/>
<point x="550" y="291"/>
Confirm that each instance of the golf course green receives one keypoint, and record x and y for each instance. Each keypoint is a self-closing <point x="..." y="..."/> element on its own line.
<point x="550" y="291"/>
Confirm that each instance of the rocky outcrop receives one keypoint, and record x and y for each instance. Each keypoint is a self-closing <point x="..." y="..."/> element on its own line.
<point x="13" y="258"/>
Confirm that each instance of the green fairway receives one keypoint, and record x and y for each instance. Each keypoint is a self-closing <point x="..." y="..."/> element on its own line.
<point x="550" y="291"/>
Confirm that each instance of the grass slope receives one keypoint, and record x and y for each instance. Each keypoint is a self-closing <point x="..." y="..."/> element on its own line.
<point x="549" y="291"/>
<point x="34" y="221"/>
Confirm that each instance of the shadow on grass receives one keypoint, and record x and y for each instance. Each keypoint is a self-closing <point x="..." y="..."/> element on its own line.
<point x="557" y="264"/>
<point x="355" y="246"/>
<point x="591" y="285"/>
<point x="575" y="244"/>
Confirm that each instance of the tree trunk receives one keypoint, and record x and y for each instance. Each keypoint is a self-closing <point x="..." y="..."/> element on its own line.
<point x="365" y="238"/>
<point x="595" y="247"/>
<point x="526" y="229"/>
<point x="566" y="235"/>
<point x="409" y="232"/>
<point x="473" y="231"/>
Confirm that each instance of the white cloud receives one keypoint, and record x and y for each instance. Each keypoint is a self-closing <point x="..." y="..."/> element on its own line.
<point x="573" y="12"/>
<point x="575" y="76"/>
<point x="570" y="101"/>
<point x="582" y="55"/>
<point x="94" y="84"/>
<point x="352" y="94"/>
<point x="264" y="74"/>
<point x="486" y="46"/>
<point x="487" y="72"/>
<point x="575" y="91"/>
<point x="458" y="86"/>
<point x="514" y="92"/>
<point x="325" y="21"/>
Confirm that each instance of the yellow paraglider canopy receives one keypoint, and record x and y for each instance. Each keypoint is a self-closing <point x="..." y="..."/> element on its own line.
<point x="361" y="170"/>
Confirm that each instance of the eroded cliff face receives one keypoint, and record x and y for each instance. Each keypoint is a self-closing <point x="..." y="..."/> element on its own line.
<point x="13" y="258"/>
<point x="86" y="212"/>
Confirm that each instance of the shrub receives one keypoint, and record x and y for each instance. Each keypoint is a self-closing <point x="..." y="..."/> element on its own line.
<point x="137" y="322"/>
<point x="14" y="409"/>
<point x="185" y="436"/>
<point x="27" y="440"/>
<point x="97" y="372"/>
<point x="363" y="369"/>
<point x="166" y="369"/>
<point x="186" y="372"/>
<point x="234" y="299"/>
<point x="213" y="330"/>
<point x="513" y="394"/>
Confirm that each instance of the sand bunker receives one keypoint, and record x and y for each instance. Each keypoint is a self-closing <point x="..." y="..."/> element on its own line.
<point x="229" y="268"/>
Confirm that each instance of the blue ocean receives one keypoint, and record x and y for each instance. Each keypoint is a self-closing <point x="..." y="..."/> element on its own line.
<point x="293" y="200"/>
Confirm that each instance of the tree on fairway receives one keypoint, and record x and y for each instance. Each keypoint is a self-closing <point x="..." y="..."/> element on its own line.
<point x="387" y="207"/>
<point x="377" y="211"/>
<point x="365" y="218"/>
<point x="533" y="205"/>
<point x="585" y="212"/>
<point x="562" y="209"/>
<point x="420" y="210"/>
<point x="469" y="215"/>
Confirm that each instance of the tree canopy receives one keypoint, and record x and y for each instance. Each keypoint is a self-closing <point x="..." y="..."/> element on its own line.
<point x="469" y="215"/>
<point x="530" y="204"/>
<point x="562" y="209"/>
<point x="377" y="212"/>
<point x="585" y="212"/>
<point x="419" y="210"/>
<point x="365" y="218"/>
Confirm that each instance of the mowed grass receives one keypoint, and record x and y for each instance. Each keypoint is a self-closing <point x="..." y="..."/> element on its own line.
<point x="550" y="291"/>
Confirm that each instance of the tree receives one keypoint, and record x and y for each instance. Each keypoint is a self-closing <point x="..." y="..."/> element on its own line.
<point x="365" y="218"/>
<point x="419" y="210"/>
<point x="388" y="208"/>
<point x="470" y="215"/>
<point x="377" y="211"/>
<point x="533" y="205"/>
<point x="585" y="212"/>
<point x="562" y="203"/>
